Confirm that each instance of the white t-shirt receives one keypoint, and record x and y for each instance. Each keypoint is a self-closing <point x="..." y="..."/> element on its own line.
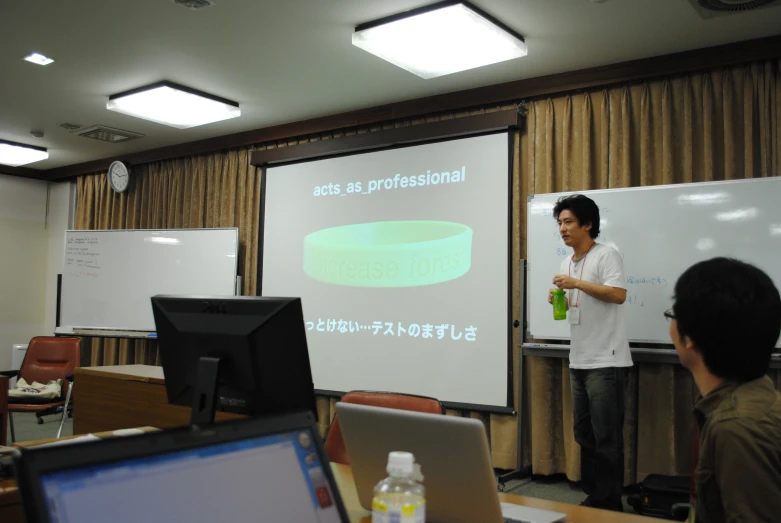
<point x="600" y="339"/>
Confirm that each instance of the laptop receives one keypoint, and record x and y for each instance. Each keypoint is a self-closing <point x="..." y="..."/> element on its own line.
<point x="271" y="469"/>
<point x="453" y="455"/>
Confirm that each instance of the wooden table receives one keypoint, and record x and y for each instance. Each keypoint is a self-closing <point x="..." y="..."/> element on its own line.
<point x="575" y="513"/>
<point x="121" y="396"/>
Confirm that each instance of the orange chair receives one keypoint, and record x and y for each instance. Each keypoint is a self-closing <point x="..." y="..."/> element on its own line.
<point x="48" y="358"/>
<point x="334" y="441"/>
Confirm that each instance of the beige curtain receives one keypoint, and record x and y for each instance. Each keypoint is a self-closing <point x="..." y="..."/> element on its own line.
<point x="718" y="125"/>
<point x="216" y="190"/>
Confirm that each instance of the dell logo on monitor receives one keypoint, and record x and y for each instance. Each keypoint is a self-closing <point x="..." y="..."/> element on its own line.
<point x="214" y="307"/>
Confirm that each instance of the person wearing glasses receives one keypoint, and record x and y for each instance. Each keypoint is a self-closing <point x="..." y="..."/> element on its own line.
<point x="725" y="323"/>
<point x="599" y="359"/>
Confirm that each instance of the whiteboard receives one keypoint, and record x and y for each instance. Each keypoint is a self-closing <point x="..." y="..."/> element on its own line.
<point x="660" y="231"/>
<point x="108" y="277"/>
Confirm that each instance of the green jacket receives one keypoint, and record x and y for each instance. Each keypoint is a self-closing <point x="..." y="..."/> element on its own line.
<point x="738" y="475"/>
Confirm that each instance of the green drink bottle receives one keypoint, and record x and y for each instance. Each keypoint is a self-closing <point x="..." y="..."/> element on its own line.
<point x="559" y="304"/>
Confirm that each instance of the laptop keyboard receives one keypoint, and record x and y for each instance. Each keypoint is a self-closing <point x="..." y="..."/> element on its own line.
<point x="513" y="520"/>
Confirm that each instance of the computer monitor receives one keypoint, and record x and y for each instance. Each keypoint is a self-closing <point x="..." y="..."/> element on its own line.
<point x="241" y="354"/>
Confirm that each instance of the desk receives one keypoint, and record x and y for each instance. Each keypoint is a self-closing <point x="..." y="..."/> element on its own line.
<point x="575" y="513"/>
<point x="121" y="396"/>
<point x="10" y="505"/>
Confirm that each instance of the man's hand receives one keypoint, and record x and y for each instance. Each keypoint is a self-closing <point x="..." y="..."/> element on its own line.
<point x="562" y="281"/>
<point x="550" y="299"/>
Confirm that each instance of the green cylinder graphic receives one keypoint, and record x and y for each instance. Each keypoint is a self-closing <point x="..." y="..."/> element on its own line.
<point x="559" y="305"/>
<point x="389" y="254"/>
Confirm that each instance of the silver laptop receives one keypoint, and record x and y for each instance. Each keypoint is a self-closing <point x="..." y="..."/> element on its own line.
<point x="454" y="458"/>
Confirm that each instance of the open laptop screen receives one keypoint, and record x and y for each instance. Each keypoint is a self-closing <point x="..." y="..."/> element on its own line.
<point x="276" y="477"/>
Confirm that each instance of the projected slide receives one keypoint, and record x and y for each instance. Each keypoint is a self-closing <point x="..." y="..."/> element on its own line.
<point x="400" y="258"/>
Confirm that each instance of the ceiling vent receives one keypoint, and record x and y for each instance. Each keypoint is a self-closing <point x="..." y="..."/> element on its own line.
<point x="70" y="126"/>
<point x="194" y="4"/>
<point x="714" y="8"/>
<point x="107" y="134"/>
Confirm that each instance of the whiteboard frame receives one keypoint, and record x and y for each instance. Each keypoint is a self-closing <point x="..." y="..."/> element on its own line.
<point x="87" y="332"/>
<point x="530" y="198"/>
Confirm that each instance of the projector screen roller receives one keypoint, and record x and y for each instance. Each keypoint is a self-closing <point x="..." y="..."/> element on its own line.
<point x="401" y="260"/>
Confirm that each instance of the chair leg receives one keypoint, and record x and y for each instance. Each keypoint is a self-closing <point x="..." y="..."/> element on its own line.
<point x="11" y="421"/>
<point x="65" y="409"/>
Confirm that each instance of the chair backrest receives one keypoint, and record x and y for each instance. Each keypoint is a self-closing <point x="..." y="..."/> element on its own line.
<point x="51" y="358"/>
<point x="334" y="442"/>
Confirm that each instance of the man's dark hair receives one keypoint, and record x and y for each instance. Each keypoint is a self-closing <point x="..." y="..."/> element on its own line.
<point x="732" y="312"/>
<point x="584" y="209"/>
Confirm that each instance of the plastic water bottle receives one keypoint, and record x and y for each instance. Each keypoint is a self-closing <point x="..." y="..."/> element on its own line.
<point x="400" y="498"/>
<point x="559" y="304"/>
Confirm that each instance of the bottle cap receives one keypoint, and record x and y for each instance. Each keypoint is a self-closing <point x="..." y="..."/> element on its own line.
<point x="400" y="463"/>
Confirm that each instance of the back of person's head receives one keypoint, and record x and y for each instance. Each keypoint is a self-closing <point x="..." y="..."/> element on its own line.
<point x="584" y="209"/>
<point x="732" y="312"/>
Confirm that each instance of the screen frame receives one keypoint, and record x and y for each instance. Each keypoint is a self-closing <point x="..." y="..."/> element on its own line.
<point x="508" y="408"/>
<point x="34" y="462"/>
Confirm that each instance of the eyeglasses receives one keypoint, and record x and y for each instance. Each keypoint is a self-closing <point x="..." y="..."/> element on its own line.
<point x="669" y="314"/>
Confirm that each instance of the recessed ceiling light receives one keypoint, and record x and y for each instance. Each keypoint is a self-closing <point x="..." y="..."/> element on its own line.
<point x="16" y="154"/>
<point x="38" y="58"/>
<point x="439" y="39"/>
<point x="172" y="104"/>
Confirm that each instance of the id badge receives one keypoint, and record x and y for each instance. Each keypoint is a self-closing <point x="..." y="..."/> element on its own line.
<point x="573" y="316"/>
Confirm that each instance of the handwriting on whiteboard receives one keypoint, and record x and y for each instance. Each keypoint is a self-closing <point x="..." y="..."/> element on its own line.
<point x="654" y="280"/>
<point x="79" y="254"/>
<point x="88" y="240"/>
<point x="632" y="300"/>
<point x="83" y="274"/>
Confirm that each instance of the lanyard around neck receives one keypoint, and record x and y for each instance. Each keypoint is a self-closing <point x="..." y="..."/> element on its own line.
<point x="569" y="271"/>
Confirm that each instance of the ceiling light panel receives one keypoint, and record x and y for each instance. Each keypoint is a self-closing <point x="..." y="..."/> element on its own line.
<point x="38" y="58"/>
<point x="440" y="40"/>
<point x="174" y="105"/>
<point x="16" y="154"/>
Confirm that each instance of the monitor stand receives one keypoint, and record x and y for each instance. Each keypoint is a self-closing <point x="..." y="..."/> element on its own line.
<point x="205" y="395"/>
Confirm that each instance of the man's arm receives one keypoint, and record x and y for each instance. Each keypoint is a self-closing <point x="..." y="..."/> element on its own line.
<point x="602" y="292"/>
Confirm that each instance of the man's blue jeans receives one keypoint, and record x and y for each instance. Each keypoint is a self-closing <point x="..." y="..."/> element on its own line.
<point x="598" y="401"/>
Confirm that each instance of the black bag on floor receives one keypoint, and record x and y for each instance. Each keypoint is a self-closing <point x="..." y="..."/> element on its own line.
<point x="658" y="494"/>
